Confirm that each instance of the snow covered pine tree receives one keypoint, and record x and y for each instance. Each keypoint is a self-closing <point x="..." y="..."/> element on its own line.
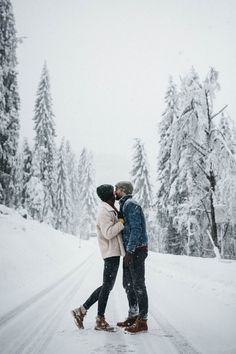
<point x="9" y="102"/>
<point x="140" y="178"/>
<point x="88" y="200"/>
<point x="45" y="148"/>
<point x="167" y="173"/>
<point x="63" y="196"/>
<point x="202" y="158"/>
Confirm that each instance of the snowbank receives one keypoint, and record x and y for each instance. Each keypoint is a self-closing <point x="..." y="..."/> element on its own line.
<point x="196" y="298"/>
<point x="33" y="256"/>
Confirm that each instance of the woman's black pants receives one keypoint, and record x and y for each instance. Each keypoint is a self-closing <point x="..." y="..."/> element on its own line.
<point x="101" y="294"/>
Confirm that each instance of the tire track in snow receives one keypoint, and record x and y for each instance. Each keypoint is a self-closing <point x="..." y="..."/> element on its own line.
<point x="42" y="335"/>
<point x="177" y="339"/>
<point x="25" y="305"/>
<point x="36" y="335"/>
<point x="169" y="331"/>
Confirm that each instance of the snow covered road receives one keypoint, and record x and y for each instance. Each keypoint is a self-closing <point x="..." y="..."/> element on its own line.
<point x="44" y="324"/>
<point x="44" y="274"/>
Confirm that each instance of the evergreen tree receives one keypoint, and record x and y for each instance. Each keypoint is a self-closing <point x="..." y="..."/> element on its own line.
<point x="9" y="101"/>
<point x="203" y="141"/>
<point x="88" y="198"/>
<point x="17" y="180"/>
<point x="26" y="171"/>
<point x="81" y="168"/>
<point x="63" y="196"/>
<point x="180" y="201"/>
<point x="45" y="147"/>
<point x="201" y="160"/>
<point x="140" y="177"/>
<point x="167" y="169"/>
<point x="143" y="191"/>
<point x="34" y="190"/>
<point x="72" y="167"/>
<point x="82" y="163"/>
<point x="225" y="195"/>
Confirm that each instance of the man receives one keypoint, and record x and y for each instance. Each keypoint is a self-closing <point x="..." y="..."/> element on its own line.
<point x="135" y="242"/>
<point x="109" y="229"/>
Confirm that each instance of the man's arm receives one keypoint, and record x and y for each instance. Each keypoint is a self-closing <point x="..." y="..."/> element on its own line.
<point x="134" y="220"/>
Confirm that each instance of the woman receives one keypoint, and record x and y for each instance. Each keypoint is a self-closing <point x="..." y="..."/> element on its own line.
<point x="109" y="229"/>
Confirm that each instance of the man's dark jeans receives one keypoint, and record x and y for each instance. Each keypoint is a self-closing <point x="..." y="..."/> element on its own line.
<point x="134" y="283"/>
<point x="101" y="294"/>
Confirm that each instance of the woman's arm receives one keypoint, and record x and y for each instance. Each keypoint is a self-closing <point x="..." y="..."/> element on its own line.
<point x="109" y="227"/>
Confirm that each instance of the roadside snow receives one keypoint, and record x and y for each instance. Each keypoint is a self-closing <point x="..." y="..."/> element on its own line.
<point x="198" y="298"/>
<point x="33" y="256"/>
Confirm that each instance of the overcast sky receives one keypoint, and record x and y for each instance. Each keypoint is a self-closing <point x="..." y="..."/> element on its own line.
<point x="109" y="63"/>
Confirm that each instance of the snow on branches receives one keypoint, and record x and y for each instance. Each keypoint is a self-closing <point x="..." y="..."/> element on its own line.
<point x="196" y="169"/>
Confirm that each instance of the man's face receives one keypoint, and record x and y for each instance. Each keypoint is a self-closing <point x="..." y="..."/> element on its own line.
<point x="119" y="193"/>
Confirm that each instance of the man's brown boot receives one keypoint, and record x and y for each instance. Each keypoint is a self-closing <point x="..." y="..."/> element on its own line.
<point x="128" y="322"/>
<point x="139" y="326"/>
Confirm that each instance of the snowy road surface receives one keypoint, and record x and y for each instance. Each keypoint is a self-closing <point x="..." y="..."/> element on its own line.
<point x="44" y="323"/>
<point x="45" y="273"/>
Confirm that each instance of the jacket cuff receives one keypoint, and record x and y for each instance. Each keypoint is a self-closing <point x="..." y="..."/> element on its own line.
<point x="130" y="250"/>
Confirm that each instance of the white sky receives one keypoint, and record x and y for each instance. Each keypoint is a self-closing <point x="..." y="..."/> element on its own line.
<point x="109" y="64"/>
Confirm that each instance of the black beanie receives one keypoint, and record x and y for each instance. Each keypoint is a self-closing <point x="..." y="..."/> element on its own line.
<point x="105" y="192"/>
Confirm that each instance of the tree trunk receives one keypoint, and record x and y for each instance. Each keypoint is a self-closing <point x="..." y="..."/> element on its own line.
<point x="211" y="176"/>
<point x="213" y="217"/>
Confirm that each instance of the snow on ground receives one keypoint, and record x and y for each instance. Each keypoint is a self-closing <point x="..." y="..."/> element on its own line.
<point x="33" y="256"/>
<point x="45" y="273"/>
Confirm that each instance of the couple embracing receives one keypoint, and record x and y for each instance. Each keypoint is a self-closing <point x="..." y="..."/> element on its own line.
<point x="120" y="233"/>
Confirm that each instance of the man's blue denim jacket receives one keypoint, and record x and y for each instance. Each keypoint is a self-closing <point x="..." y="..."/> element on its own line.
<point x="134" y="232"/>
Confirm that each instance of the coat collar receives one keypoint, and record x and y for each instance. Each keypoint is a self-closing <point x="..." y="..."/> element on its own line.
<point x="123" y="199"/>
<point x="107" y="206"/>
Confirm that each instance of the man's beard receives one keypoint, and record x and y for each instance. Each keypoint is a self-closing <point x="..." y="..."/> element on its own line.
<point x="118" y="197"/>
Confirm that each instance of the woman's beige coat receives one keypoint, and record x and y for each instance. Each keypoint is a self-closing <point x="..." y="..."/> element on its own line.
<point x="109" y="232"/>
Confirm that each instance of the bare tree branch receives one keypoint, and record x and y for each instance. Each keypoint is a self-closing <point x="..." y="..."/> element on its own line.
<point x="222" y="140"/>
<point x="188" y="108"/>
<point x="207" y="176"/>
<point x="226" y="229"/>
<point x="207" y="213"/>
<point x="200" y="152"/>
<point x="199" y="145"/>
<point x="216" y="114"/>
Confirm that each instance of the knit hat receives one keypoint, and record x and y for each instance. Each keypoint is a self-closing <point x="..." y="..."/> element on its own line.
<point x="126" y="186"/>
<point x="105" y="192"/>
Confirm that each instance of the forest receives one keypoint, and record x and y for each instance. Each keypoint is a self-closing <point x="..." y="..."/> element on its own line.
<point x="191" y="207"/>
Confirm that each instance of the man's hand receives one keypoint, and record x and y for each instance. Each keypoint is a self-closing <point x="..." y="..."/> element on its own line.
<point x="128" y="258"/>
